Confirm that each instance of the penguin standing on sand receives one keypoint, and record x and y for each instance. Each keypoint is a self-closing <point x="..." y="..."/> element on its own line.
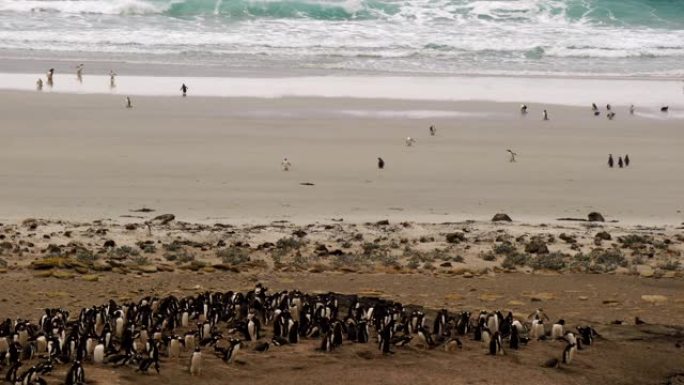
<point x="381" y="163"/>
<point x="557" y="330"/>
<point x="611" y="162"/>
<point x="231" y="351"/>
<point x="51" y="73"/>
<point x="594" y="107"/>
<point x="127" y="101"/>
<point x="433" y="130"/>
<point x="112" y="79"/>
<point x="569" y="353"/>
<point x="184" y="90"/>
<point x="545" y="115"/>
<point x="39" y="84"/>
<point x="285" y="164"/>
<point x="515" y="338"/>
<point x="608" y="107"/>
<point x="79" y="73"/>
<point x="523" y="109"/>
<point x="512" y="155"/>
<point x="610" y="115"/>
<point x="495" y="345"/>
<point x="626" y="160"/>
<point x="75" y="375"/>
<point x="196" y="362"/>
<point x="620" y="163"/>
<point x="631" y="109"/>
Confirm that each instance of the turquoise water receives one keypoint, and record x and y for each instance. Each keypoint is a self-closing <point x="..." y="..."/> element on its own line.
<point x="557" y="37"/>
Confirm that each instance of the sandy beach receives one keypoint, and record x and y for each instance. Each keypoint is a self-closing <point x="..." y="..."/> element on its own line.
<point x="218" y="159"/>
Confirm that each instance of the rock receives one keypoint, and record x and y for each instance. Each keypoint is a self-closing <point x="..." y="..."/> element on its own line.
<point x="166" y="267"/>
<point x="645" y="271"/>
<point x="456" y="237"/>
<point x="383" y="222"/>
<point x="567" y="238"/>
<point x="131" y="226"/>
<point x="90" y="278"/>
<point x="603" y="235"/>
<point x="501" y="217"/>
<point x="61" y="274"/>
<point x="3" y="270"/>
<point x="163" y="219"/>
<point x="445" y="264"/>
<point x="583" y="298"/>
<point x="299" y="233"/>
<point x="468" y="274"/>
<point x="595" y="217"/>
<point x="109" y="244"/>
<point x="654" y="299"/>
<point x="101" y="266"/>
<point x="147" y="268"/>
<point x="536" y="246"/>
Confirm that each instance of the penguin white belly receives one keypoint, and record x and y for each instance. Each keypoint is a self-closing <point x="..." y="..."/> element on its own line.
<point x="98" y="354"/>
<point x="41" y="345"/>
<point x="557" y="331"/>
<point x="189" y="343"/>
<point x="119" y="328"/>
<point x="174" y="349"/>
<point x="4" y="345"/>
<point x="184" y="319"/>
<point x="196" y="363"/>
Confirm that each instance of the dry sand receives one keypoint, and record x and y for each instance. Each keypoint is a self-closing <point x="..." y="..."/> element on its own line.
<point x="87" y="157"/>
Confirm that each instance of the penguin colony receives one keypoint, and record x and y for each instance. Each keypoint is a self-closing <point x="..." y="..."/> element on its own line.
<point x="137" y="335"/>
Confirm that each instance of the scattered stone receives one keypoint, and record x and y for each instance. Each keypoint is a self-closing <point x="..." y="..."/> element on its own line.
<point x="62" y="274"/>
<point x="142" y="210"/>
<point x="468" y="274"/>
<point x="109" y="244"/>
<point x="595" y="217"/>
<point x="603" y="235"/>
<point x="456" y="237"/>
<point x="147" y="268"/>
<point x="645" y="271"/>
<point x="501" y="217"/>
<point x="90" y="278"/>
<point x="583" y="298"/>
<point x="536" y="246"/>
<point x="384" y="222"/>
<point x="163" y="219"/>
<point x="654" y="299"/>
<point x="131" y="226"/>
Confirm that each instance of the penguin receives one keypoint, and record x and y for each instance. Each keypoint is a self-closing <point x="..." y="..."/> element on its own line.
<point x="39" y="84"/>
<point x="512" y="155"/>
<point x="285" y="164"/>
<point x="626" y="160"/>
<point x="611" y="163"/>
<point x="568" y="353"/>
<point x="631" y="109"/>
<point x="196" y="362"/>
<point x="127" y="102"/>
<point x="495" y="345"/>
<point x="262" y="347"/>
<point x="664" y="108"/>
<point x="433" y="130"/>
<point x="410" y="141"/>
<point x="253" y="329"/>
<point x="425" y="338"/>
<point x="79" y="73"/>
<point x="41" y="344"/>
<point x="545" y="115"/>
<point x="51" y="73"/>
<point x="557" y="330"/>
<point x="608" y="107"/>
<point x="381" y="163"/>
<point x="493" y="323"/>
<point x="551" y="363"/>
<point x="231" y="351"/>
<point x="610" y="115"/>
<point x="326" y="342"/>
<point x="99" y="353"/>
<point x="293" y="333"/>
<point x="523" y="109"/>
<point x="185" y="319"/>
<point x="537" y="331"/>
<point x="452" y="344"/>
<point x="174" y="347"/>
<point x="514" y="342"/>
<point x="620" y="163"/>
<point x="385" y="338"/>
<point x="75" y="375"/>
<point x="594" y="107"/>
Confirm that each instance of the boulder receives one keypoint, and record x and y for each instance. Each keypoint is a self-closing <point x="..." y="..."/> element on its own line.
<point x="536" y="246"/>
<point x="163" y="219"/>
<point x="501" y="217"/>
<point x="595" y="217"/>
<point x="603" y="235"/>
<point x="645" y="271"/>
<point x="456" y="237"/>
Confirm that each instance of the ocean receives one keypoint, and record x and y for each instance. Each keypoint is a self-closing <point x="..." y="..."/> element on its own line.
<point x="642" y="38"/>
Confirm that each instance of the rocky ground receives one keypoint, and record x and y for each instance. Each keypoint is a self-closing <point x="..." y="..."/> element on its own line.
<point x="586" y="272"/>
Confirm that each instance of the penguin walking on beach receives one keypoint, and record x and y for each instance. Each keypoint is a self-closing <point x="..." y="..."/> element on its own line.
<point x="231" y="351"/>
<point x="620" y="163"/>
<point x="285" y="164"/>
<point x="610" y="115"/>
<point x="608" y="107"/>
<point x="112" y="79"/>
<point x="626" y="160"/>
<point x="75" y="375"/>
<point x="595" y="109"/>
<point x="410" y="141"/>
<point x="39" y="84"/>
<point x="545" y="115"/>
<point x="381" y="163"/>
<point x="496" y="345"/>
<point x="514" y="338"/>
<point x="433" y="130"/>
<point x="184" y="90"/>
<point x="50" y="74"/>
<point x="664" y="108"/>
<point x="512" y="155"/>
<point x="631" y="109"/>
<point x="196" y="362"/>
<point x="569" y="353"/>
<point x="127" y="101"/>
<point x="523" y="109"/>
<point x="611" y="162"/>
<point x="557" y="330"/>
<point x="79" y="73"/>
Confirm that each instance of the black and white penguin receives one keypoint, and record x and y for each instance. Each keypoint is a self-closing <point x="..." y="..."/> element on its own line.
<point x="537" y="331"/>
<point x="425" y="337"/>
<point x="631" y="109"/>
<point x="452" y="344"/>
<point x="594" y="107"/>
<point x="620" y="163"/>
<point x="664" y="108"/>
<point x="232" y="350"/>
<point x="253" y="329"/>
<point x="545" y="115"/>
<point x="610" y="115"/>
<point x="385" y="339"/>
<point x="611" y="162"/>
<point x="327" y="342"/>
<point x="626" y="160"/>
<point x="381" y="163"/>
<point x="75" y="375"/>
<point x="433" y="130"/>
<point x="608" y="107"/>
<point x="196" y="362"/>
<point x="362" y="332"/>
<point x="496" y="345"/>
<point x="514" y="338"/>
<point x="99" y="353"/>
<point x="558" y="330"/>
<point x="569" y="353"/>
<point x="127" y="102"/>
<point x="523" y="109"/>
